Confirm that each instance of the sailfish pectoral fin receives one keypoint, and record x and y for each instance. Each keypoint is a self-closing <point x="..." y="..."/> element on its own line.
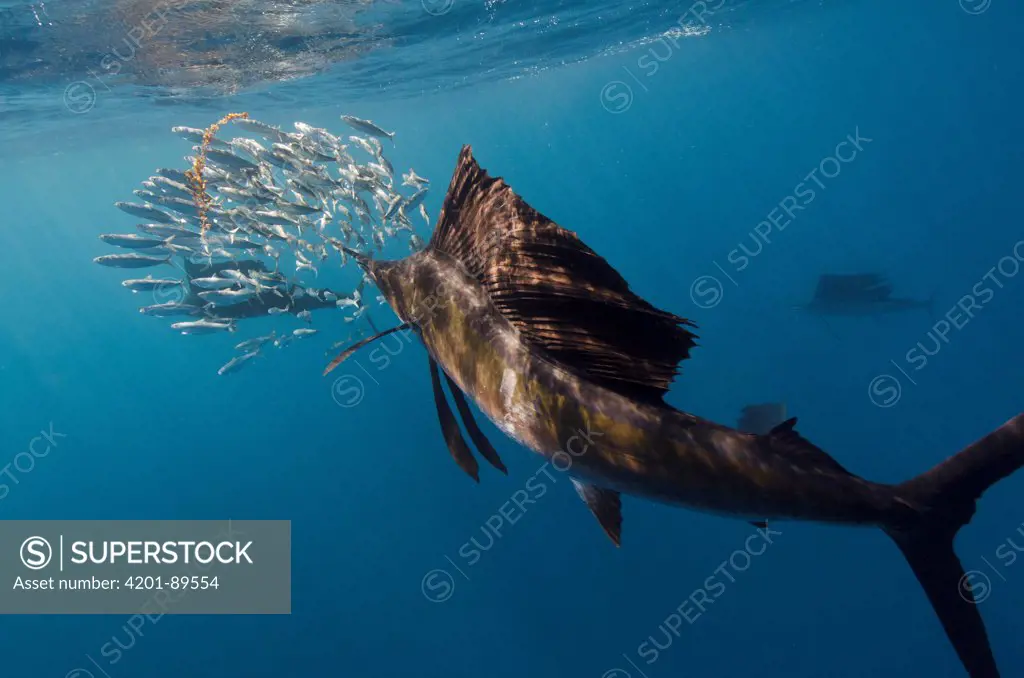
<point x="450" y="428"/>
<point x="476" y="435"/>
<point x="344" y="355"/>
<point x="606" y="505"/>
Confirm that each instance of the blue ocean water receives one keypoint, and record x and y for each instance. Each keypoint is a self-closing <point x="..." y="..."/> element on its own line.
<point x="666" y="149"/>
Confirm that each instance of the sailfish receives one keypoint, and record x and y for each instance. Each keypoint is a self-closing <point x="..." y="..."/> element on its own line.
<point x="550" y="343"/>
<point x="859" y="294"/>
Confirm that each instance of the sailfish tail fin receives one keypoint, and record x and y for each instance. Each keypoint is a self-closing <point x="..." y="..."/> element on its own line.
<point x="948" y="493"/>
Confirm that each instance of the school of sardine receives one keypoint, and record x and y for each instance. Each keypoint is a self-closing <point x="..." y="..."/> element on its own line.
<point x="308" y="192"/>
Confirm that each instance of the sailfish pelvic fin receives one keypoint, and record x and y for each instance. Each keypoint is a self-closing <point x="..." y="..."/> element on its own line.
<point x="450" y="428"/>
<point x="487" y="450"/>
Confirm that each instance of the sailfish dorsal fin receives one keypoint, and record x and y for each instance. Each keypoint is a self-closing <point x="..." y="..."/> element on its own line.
<point x="560" y="294"/>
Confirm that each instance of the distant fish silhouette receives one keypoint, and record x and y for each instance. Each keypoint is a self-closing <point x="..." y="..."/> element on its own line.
<point x="761" y="419"/>
<point x="858" y="294"/>
<point x="550" y="343"/>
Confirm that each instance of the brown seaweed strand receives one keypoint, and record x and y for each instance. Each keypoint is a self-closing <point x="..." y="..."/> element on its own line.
<point x="196" y="182"/>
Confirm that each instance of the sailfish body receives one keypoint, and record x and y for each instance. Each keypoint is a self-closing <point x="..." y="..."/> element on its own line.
<point x="550" y="343"/>
<point x="613" y="440"/>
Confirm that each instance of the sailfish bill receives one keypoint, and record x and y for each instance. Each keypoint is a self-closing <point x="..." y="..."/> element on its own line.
<point x="347" y="353"/>
<point x="554" y="347"/>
